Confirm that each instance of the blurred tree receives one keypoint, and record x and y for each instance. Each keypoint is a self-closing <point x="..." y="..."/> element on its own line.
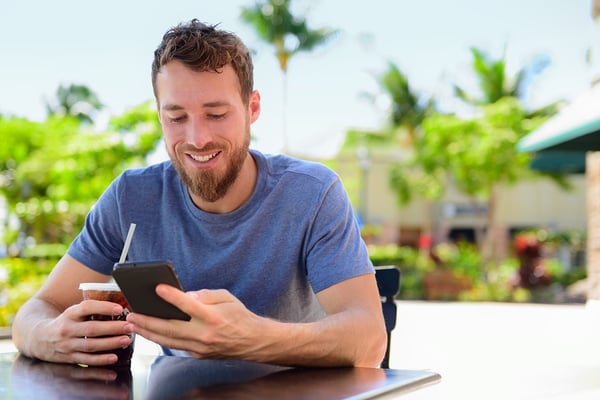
<point x="77" y="101"/>
<point x="407" y="111"/>
<point x="275" y="24"/>
<point x="51" y="173"/>
<point x="508" y="121"/>
<point x="475" y="155"/>
<point x="495" y="84"/>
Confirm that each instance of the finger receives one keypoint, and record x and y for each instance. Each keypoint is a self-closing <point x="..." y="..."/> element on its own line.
<point x="92" y="359"/>
<point x="95" y="307"/>
<point x="153" y="328"/>
<point x="173" y="334"/>
<point x="184" y="301"/>
<point x="215" y="296"/>
<point x="96" y="329"/>
<point x="93" y="345"/>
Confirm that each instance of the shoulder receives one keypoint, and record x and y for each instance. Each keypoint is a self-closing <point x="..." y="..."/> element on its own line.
<point x="285" y="167"/>
<point x="147" y="182"/>
<point x="149" y="172"/>
<point x="152" y="174"/>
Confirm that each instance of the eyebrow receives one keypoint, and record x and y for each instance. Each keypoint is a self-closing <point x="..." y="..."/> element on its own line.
<point x="210" y="104"/>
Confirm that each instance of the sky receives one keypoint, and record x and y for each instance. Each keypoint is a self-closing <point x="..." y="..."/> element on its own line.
<point x="108" y="46"/>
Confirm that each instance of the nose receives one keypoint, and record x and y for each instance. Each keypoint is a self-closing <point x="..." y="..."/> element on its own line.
<point x="198" y="133"/>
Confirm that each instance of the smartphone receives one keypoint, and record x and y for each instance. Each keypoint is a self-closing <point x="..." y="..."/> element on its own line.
<point x="138" y="281"/>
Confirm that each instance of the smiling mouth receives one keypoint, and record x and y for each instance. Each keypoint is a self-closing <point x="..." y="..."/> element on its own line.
<point x="204" y="158"/>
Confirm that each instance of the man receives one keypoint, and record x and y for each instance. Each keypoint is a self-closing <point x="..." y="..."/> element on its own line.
<point x="267" y="248"/>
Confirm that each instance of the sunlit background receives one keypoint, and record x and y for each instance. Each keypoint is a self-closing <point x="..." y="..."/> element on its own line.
<point x="494" y="256"/>
<point x="108" y="47"/>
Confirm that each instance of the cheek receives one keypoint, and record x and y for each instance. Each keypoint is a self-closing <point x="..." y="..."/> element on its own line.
<point x="235" y="128"/>
<point x="171" y="132"/>
<point x="171" y="137"/>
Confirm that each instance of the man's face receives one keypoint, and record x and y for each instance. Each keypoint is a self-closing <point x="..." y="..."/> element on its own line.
<point x="206" y="126"/>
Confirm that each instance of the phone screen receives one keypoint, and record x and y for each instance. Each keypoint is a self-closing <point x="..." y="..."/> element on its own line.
<point x="138" y="281"/>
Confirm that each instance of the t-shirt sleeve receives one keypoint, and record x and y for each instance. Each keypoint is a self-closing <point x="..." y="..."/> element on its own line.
<point x="101" y="240"/>
<point x="335" y="251"/>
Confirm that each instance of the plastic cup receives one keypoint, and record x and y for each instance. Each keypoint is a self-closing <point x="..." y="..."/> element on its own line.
<point x="110" y="292"/>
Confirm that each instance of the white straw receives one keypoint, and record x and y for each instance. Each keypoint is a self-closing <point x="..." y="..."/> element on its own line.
<point x="127" y="243"/>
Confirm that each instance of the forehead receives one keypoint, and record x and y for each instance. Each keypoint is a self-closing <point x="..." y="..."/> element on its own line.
<point x="177" y="84"/>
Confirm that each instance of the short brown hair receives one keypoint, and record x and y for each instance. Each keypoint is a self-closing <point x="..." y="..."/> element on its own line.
<point x="203" y="47"/>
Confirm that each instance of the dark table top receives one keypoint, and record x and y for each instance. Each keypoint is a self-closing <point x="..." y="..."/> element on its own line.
<point x="168" y="377"/>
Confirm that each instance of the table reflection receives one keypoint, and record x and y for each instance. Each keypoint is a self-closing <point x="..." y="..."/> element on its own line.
<point x="169" y="377"/>
<point x="173" y="377"/>
<point x="33" y="379"/>
<point x="176" y="378"/>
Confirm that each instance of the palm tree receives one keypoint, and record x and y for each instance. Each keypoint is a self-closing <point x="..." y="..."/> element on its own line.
<point x="275" y="24"/>
<point x="78" y="101"/>
<point x="408" y="109"/>
<point x="407" y="113"/>
<point x="494" y="83"/>
<point x="494" y="86"/>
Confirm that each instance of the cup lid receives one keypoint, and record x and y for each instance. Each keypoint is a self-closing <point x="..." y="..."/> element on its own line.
<point x="107" y="287"/>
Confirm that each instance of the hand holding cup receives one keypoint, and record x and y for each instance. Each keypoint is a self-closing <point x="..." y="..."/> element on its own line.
<point x="110" y="292"/>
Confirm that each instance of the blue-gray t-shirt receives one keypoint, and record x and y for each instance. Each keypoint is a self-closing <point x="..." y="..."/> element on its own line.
<point x="294" y="237"/>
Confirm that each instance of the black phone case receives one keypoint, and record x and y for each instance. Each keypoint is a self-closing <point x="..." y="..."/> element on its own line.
<point x="138" y="281"/>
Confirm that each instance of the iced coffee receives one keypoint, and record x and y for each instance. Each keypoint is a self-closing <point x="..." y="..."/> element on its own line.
<point x="110" y="292"/>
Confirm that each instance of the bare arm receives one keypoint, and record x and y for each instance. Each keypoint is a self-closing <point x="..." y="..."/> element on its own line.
<point x="53" y="324"/>
<point x="352" y="333"/>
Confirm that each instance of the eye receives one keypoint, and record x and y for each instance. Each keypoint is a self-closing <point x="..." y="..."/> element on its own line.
<point x="216" y="116"/>
<point x="175" y="120"/>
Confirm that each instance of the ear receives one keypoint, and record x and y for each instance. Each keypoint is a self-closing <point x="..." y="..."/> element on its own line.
<point x="254" y="106"/>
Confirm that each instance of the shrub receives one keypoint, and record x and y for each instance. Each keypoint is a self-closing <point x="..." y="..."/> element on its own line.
<point x="20" y="278"/>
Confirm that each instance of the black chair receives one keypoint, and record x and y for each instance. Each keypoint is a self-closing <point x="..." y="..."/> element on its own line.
<point x="388" y="283"/>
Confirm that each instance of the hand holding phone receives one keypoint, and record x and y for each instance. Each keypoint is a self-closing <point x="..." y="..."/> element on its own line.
<point x="138" y="281"/>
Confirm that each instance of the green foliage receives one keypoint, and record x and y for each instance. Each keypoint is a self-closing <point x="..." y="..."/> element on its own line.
<point x="289" y="34"/>
<point x="489" y="282"/>
<point x="372" y="139"/>
<point x="412" y="264"/>
<point x="434" y="151"/>
<point x="77" y="101"/>
<point x="58" y="169"/>
<point x="407" y="109"/>
<point x="498" y="285"/>
<point x="401" y="256"/>
<point x="20" y="278"/>
<point x="567" y="278"/>
<point x="51" y="173"/>
<point x="478" y="153"/>
<point x="462" y="258"/>
<point x="495" y="84"/>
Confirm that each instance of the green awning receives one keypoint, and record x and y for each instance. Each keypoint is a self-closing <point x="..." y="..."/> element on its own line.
<point x="575" y="128"/>
<point x="559" y="161"/>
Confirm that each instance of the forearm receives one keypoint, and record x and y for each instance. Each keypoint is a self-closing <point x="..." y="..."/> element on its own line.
<point x="25" y="328"/>
<point x="343" y="339"/>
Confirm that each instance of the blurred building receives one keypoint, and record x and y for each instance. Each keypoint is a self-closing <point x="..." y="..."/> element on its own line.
<point x="530" y="204"/>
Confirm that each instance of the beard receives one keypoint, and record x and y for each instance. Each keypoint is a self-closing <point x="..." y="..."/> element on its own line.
<point x="209" y="185"/>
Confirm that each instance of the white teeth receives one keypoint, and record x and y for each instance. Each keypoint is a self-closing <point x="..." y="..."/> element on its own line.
<point x="204" y="158"/>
